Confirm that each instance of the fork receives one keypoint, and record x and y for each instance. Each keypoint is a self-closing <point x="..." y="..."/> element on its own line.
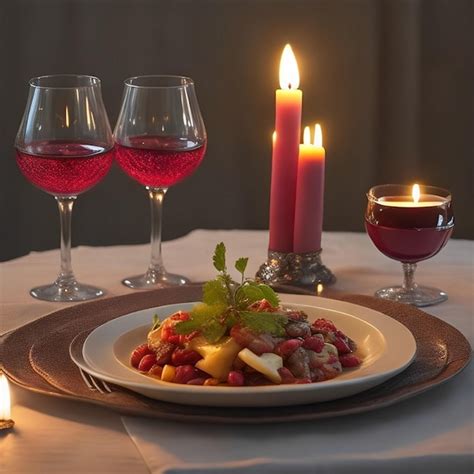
<point x="94" y="384"/>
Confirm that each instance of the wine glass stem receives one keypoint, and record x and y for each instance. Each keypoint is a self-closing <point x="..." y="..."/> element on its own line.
<point x="409" y="276"/>
<point x="65" y="204"/>
<point x="156" y="202"/>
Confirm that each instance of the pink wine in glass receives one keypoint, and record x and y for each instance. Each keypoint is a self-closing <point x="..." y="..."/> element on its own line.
<point x="157" y="161"/>
<point x="409" y="234"/>
<point x="64" y="168"/>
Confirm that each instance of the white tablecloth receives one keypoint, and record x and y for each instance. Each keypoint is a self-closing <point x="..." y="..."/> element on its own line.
<point x="431" y="433"/>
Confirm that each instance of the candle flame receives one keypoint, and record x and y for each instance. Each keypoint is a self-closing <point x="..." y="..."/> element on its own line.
<point x="5" y="403"/>
<point x="67" y="117"/>
<point x="318" y="136"/>
<point x="319" y="288"/>
<point x="416" y="192"/>
<point x="274" y="137"/>
<point x="307" y="136"/>
<point x="289" y="74"/>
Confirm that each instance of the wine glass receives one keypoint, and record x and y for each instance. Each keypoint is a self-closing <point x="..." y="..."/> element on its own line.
<point x="64" y="146"/>
<point x="409" y="224"/>
<point x="160" y="140"/>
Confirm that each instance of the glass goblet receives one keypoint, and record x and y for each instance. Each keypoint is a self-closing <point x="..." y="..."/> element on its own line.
<point x="64" y="146"/>
<point x="160" y="140"/>
<point x="409" y="224"/>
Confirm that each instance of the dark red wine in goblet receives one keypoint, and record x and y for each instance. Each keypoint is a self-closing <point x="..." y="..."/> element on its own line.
<point x="409" y="228"/>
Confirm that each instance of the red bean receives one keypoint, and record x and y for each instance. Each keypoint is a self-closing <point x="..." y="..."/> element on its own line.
<point x="156" y="371"/>
<point x="185" y="357"/>
<point x="286" y="348"/>
<point x="286" y="375"/>
<point x="185" y="373"/>
<point x="349" y="360"/>
<point x="196" y="381"/>
<point x="342" y="346"/>
<point x="147" y="362"/>
<point x="235" y="378"/>
<point x="138" y="354"/>
<point x="314" y="343"/>
<point x="163" y="352"/>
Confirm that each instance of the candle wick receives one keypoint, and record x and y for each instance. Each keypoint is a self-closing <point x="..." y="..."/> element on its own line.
<point x="289" y="85"/>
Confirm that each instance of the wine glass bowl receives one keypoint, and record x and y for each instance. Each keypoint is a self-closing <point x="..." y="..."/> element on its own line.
<point x="64" y="146"/>
<point x="409" y="228"/>
<point x="160" y="140"/>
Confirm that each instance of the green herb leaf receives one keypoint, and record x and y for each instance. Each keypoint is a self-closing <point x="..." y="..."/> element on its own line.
<point x="241" y="265"/>
<point x="250" y="293"/>
<point x="272" y="323"/>
<point x="270" y="295"/>
<point x="219" y="257"/>
<point x="207" y="319"/>
<point x="156" y="322"/>
<point x="215" y="293"/>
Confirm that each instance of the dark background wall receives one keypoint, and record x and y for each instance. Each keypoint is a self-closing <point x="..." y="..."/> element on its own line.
<point x="390" y="81"/>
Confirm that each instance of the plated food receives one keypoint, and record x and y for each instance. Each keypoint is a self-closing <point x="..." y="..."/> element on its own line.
<point x="241" y="335"/>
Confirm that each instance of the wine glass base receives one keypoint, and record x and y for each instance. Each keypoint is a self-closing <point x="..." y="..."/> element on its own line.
<point x="419" y="296"/>
<point x="152" y="280"/>
<point x="66" y="293"/>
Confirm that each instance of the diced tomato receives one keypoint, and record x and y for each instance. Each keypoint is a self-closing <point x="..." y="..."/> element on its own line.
<point x="324" y="325"/>
<point x="262" y="306"/>
<point x="168" y="333"/>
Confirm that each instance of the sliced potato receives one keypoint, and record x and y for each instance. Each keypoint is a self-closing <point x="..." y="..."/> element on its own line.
<point x="267" y="364"/>
<point x="217" y="358"/>
<point x="168" y="373"/>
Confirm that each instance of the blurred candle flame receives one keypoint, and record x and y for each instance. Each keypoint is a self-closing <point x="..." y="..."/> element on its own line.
<point x="318" y="136"/>
<point x="319" y="288"/>
<point x="274" y="137"/>
<point x="416" y="192"/>
<point x="306" y="136"/>
<point x="5" y="403"/>
<point x="67" y="117"/>
<point x="289" y="74"/>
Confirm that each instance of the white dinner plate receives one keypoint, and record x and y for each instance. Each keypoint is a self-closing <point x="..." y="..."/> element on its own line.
<point x="385" y="346"/>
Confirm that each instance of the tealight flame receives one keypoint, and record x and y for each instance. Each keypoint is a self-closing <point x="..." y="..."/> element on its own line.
<point x="289" y="75"/>
<point x="306" y="136"/>
<point x="5" y="403"/>
<point x="318" y="136"/>
<point x="416" y="193"/>
<point x="319" y="288"/>
<point x="67" y="117"/>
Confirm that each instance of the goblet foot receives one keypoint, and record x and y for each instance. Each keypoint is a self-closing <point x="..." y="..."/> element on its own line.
<point x="154" y="279"/>
<point x="419" y="296"/>
<point x="73" y="291"/>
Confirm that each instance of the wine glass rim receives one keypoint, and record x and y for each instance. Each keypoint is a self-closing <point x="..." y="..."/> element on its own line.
<point x="426" y="188"/>
<point x="36" y="81"/>
<point x="185" y="81"/>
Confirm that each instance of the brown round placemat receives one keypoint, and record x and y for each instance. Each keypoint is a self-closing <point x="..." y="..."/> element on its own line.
<point x="36" y="356"/>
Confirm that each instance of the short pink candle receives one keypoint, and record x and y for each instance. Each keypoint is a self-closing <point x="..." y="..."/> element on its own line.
<point x="285" y="155"/>
<point x="309" y="194"/>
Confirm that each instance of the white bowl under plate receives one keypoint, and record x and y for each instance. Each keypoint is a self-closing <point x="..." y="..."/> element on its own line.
<point x="386" y="347"/>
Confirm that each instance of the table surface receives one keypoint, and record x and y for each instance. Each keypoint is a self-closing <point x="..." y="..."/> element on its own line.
<point x="60" y="435"/>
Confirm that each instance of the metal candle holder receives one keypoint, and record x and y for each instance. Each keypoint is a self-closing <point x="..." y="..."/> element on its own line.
<point x="6" y="424"/>
<point x="297" y="269"/>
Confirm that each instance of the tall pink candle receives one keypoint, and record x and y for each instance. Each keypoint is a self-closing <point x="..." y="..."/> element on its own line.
<point x="285" y="155"/>
<point x="309" y="194"/>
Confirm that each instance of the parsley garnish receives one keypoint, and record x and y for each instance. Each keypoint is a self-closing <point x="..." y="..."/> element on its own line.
<point x="226" y="303"/>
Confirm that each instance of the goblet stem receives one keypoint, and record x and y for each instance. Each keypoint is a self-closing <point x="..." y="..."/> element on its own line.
<point x="65" y="205"/>
<point x="156" y="206"/>
<point x="409" y="276"/>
